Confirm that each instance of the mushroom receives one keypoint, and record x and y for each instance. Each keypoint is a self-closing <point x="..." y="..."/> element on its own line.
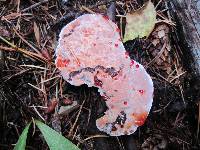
<point x="91" y="52"/>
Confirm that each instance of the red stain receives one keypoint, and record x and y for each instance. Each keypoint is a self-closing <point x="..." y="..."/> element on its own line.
<point x="116" y="45"/>
<point x="97" y="82"/>
<point x="62" y="63"/>
<point x="132" y="63"/>
<point x="66" y="61"/>
<point x="105" y="17"/>
<point x="114" y="128"/>
<point x="141" y="91"/>
<point x="126" y="54"/>
<point x="94" y="44"/>
<point x="78" y="62"/>
<point x="137" y="66"/>
<point x="140" y="118"/>
<point x="125" y="102"/>
<point x="117" y="29"/>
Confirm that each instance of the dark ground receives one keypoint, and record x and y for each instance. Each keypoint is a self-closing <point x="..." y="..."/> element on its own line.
<point x="172" y="122"/>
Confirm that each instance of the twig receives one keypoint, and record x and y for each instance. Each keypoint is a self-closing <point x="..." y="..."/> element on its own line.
<point x="38" y="113"/>
<point x="34" y="5"/>
<point x="25" y="41"/>
<point x="87" y="9"/>
<point x="79" y="112"/>
<point x="36" y="88"/>
<point x="33" y="66"/>
<point x="94" y="136"/>
<point x="158" y="56"/>
<point x="15" y="48"/>
<point x="50" y="79"/>
<point x="158" y="4"/>
<point x="178" y="76"/>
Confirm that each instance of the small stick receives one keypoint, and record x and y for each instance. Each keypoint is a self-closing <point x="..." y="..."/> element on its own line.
<point x="25" y="41"/>
<point x="79" y="112"/>
<point x="15" y="48"/>
<point x="34" y="5"/>
<point x="87" y="9"/>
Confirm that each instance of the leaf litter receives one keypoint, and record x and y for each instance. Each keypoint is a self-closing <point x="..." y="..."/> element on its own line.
<point x="174" y="113"/>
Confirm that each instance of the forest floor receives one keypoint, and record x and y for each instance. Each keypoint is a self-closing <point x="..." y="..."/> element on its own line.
<point x="29" y="80"/>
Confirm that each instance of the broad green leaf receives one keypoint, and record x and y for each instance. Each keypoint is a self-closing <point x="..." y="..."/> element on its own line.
<point x="21" y="143"/>
<point x="140" y="23"/>
<point x="55" y="140"/>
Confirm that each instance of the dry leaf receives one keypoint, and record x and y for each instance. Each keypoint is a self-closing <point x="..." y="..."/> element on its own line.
<point x="37" y="33"/>
<point x="140" y="23"/>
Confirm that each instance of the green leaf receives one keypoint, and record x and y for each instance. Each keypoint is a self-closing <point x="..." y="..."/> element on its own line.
<point x="140" y="23"/>
<point x="55" y="140"/>
<point x="21" y="143"/>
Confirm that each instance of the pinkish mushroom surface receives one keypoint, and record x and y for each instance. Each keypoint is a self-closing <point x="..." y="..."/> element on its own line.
<point x="90" y="52"/>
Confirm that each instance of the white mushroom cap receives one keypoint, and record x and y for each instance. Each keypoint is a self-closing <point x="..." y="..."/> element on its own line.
<point x="90" y="52"/>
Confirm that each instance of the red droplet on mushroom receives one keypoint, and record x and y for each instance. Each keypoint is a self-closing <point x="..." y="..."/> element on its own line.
<point x="114" y="128"/>
<point x="66" y="61"/>
<point x="93" y="62"/>
<point x="141" y="91"/>
<point x="132" y="63"/>
<point x="125" y="102"/>
<point x="105" y="17"/>
<point x="117" y="29"/>
<point x="137" y="66"/>
<point x="97" y="82"/>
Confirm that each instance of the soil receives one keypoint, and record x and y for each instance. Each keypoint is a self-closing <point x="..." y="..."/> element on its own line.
<point x="29" y="83"/>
